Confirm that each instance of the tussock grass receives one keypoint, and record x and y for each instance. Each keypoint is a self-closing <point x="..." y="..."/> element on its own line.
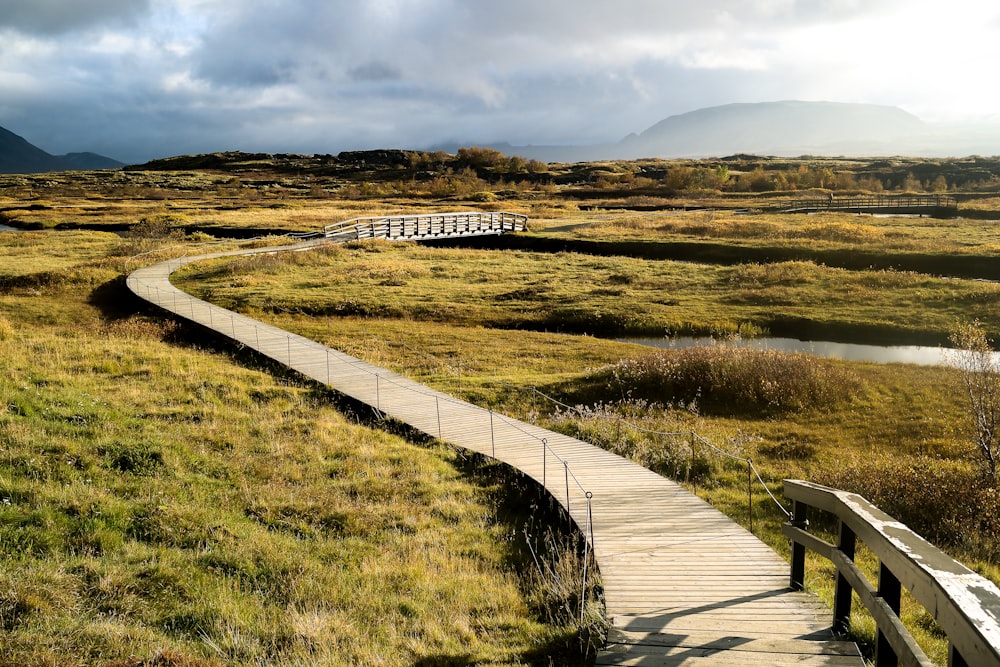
<point x="165" y="504"/>
<point x="731" y="379"/>
<point x="891" y="235"/>
<point x="606" y="296"/>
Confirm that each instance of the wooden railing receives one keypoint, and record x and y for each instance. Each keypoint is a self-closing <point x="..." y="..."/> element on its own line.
<point x="964" y="604"/>
<point x="435" y="225"/>
<point x="874" y="203"/>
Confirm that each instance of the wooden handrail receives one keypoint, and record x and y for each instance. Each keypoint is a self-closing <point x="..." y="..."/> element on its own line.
<point x="875" y="202"/>
<point x="428" y="225"/>
<point x="964" y="604"/>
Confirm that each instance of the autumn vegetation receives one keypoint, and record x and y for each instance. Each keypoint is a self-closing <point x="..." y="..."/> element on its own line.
<point x="166" y="499"/>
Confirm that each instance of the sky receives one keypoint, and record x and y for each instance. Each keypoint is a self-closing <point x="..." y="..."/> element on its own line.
<point x="141" y="79"/>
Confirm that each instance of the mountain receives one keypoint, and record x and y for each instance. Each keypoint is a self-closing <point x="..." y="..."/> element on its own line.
<point x="778" y="128"/>
<point x="17" y="156"/>
<point x="788" y="128"/>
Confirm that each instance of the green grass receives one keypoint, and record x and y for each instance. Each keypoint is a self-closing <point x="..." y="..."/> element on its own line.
<point x="162" y="503"/>
<point x="235" y="516"/>
<point x="609" y="296"/>
<point x="897" y="434"/>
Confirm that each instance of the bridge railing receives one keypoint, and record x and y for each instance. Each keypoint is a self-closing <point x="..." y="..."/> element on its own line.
<point x="965" y="605"/>
<point x="875" y="202"/>
<point x="427" y="226"/>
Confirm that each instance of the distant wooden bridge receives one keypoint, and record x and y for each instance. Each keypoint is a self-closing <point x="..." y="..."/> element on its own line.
<point x="938" y="206"/>
<point x="683" y="584"/>
<point x="426" y="227"/>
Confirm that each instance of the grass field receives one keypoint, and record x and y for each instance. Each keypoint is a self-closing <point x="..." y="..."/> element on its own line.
<point x="237" y="516"/>
<point x="166" y="502"/>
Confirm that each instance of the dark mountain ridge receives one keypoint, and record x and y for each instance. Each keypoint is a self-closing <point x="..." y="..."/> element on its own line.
<point x="18" y="156"/>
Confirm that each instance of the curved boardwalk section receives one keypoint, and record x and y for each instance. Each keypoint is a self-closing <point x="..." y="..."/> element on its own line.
<point x="683" y="584"/>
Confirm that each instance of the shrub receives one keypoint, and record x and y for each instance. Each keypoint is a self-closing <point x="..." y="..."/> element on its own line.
<point x="945" y="501"/>
<point x="727" y="378"/>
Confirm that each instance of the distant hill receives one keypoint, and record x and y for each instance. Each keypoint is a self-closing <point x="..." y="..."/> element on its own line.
<point x="789" y="128"/>
<point x="17" y="156"/>
<point x="778" y="128"/>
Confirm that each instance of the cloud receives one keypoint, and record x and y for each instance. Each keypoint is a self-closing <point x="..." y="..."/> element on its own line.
<point x="55" y="17"/>
<point x="145" y="78"/>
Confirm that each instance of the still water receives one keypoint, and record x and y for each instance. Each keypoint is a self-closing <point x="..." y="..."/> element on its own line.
<point x="5" y="228"/>
<point x="906" y="354"/>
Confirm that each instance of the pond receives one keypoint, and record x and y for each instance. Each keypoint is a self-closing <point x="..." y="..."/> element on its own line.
<point x="904" y="354"/>
<point x="5" y="228"/>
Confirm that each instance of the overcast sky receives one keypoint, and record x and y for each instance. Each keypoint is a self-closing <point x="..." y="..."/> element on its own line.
<point x="139" y="79"/>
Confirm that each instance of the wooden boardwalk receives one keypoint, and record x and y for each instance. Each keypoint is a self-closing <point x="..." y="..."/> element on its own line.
<point x="683" y="584"/>
<point x="938" y="206"/>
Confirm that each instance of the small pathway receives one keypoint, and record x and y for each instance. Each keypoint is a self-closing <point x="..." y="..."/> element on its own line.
<point x="683" y="584"/>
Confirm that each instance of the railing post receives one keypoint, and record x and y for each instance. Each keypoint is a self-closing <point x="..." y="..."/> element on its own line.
<point x="750" y="493"/>
<point x="437" y="406"/>
<point x="587" y="546"/>
<point x="378" y="400"/>
<point x="545" y="447"/>
<point x="800" y="520"/>
<point x="889" y="591"/>
<point x="493" y="440"/>
<point x="566" y="470"/>
<point x="842" y="595"/>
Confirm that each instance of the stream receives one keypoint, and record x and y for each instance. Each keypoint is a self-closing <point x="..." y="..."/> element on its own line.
<point x="891" y="354"/>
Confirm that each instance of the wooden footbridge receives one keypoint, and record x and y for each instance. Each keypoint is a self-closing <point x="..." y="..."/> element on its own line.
<point x="937" y="206"/>
<point x="683" y="584"/>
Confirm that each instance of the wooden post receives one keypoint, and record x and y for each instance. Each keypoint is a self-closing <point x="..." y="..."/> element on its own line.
<point x="566" y="469"/>
<point x="493" y="440"/>
<point x="800" y="519"/>
<point x="545" y="447"/>
<point x="889" y="591"/>
<point x="842" y="595"/>
<point x="750" y="492"/>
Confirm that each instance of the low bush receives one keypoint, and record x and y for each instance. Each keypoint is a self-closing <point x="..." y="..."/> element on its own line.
<point x="731" y="379"/>
<point x="945" y="501"/>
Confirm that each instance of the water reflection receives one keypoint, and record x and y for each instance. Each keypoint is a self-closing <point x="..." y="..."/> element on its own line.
<point x="904" y="354"/>
<point x="5" y="228"/>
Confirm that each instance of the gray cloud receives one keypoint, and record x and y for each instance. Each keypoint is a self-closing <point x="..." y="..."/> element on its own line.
<point x="137" y="80"/>
<point x="54" y="17"/>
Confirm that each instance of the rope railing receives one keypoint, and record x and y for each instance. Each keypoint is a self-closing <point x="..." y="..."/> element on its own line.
<point x="695" y="436"/>
<point x="507" y="222"/>
<point x="752" y="471"/>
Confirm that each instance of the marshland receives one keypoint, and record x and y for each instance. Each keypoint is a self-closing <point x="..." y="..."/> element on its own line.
<point x="166" y="497"/>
